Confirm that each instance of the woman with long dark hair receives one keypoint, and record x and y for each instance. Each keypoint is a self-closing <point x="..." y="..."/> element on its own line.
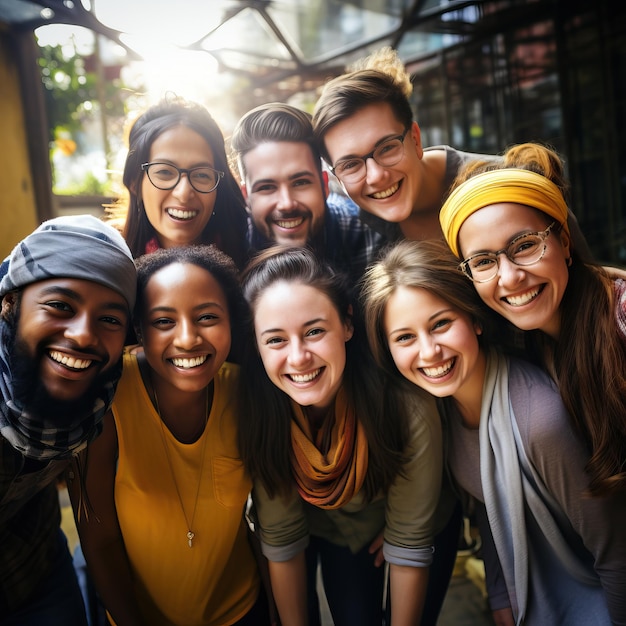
<point x="507" y="222"/>
<point x="341" y="462"/>
<point x="181" y="190"/>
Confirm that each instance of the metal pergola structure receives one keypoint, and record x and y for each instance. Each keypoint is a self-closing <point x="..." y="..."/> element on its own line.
<point x="282" y="46"/>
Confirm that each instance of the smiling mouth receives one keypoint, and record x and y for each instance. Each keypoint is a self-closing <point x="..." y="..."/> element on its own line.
<point x="180" y="214"/>
<point x="305" y="378"/>
<point x="190" y="363"/>
<point x="69" y="361"/>
<point x="292" y="223"/>
<point x="381" y="195"/>
<point x="523" y="299"/>
<point x="440" y="371"/>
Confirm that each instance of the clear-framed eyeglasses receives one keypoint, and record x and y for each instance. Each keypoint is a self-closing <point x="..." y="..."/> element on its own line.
<point x="386" y="154"/>
<point x="524" y="249"/>
<point x="166" y="176"/>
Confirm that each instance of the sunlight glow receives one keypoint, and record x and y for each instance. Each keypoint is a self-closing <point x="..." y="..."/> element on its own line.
<point x="159" y="20"/>
<point x="164" y="67"/>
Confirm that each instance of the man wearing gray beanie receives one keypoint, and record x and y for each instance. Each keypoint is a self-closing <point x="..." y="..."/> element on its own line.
<point x="67" y="292"/>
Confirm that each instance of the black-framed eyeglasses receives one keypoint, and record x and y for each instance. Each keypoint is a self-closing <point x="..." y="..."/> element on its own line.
<point x="386" y="154"/>
<point x="166" y="176"/>
<point x="524" y="249"/>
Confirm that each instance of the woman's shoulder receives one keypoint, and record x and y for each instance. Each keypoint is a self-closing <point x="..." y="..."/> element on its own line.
<point x="229" y="369"/>
<point x="530" y="381"/>
<point x="536" y="402"/>
<point x="130" y="367"/>
<point x="421" y="407"/>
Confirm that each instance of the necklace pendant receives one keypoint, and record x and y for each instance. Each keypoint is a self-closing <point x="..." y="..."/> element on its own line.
<point x="190" y="536"/>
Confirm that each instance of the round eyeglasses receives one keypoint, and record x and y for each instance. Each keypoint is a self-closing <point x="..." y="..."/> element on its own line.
<point x="524" y="249"/>
<point x="389" y="152"/>
<point x="166" y="176"/>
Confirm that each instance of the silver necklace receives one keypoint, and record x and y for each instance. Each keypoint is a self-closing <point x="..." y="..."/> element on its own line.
<point x="190" y="533"/>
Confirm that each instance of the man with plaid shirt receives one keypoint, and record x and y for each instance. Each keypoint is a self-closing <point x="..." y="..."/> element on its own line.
<point x="287" y="191"/>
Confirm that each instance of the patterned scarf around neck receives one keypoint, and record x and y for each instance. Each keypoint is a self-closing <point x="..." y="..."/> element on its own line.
<point x="330" y="468"/>
<point x="37" y="437"/>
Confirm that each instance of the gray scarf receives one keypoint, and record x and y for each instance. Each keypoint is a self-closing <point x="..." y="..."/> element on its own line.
<point x="506" y="476"/>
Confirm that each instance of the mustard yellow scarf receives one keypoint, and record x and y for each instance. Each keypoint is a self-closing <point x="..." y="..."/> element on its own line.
<point x="329" y="467"/>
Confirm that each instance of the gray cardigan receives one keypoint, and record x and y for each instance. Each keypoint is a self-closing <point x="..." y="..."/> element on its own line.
<point x="563" y="555"/>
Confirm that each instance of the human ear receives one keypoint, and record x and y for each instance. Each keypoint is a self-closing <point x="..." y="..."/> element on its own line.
<point x="348" y="325"/>
<point x="416" y="134"/>
<point x="325" y="183"/>
<point x="566" y="244"/>
<point x="9" y="303"/>
<point x="244" y="192"/>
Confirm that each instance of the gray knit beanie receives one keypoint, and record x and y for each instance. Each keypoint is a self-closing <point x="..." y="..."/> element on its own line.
<point x="77" y="246"/>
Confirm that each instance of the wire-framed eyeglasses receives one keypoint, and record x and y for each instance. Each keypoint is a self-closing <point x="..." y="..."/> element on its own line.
<point x="524" y="249"/>
<point x="388" y="153"/>
<point x="166" y="176"/>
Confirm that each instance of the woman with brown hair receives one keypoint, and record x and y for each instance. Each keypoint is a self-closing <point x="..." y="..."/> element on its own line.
<point x="508" y="223"/>
<point x="553" y="555"/>
<point x="342" y="464"/>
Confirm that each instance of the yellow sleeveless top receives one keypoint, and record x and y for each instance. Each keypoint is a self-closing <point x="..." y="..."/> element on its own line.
<point x="216" y="581"/>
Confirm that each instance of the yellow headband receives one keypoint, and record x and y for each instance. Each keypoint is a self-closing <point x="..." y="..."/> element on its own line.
<point x="507" y="185"/>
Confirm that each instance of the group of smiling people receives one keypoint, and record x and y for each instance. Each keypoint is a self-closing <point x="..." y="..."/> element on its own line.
<point x="479" y="361"/>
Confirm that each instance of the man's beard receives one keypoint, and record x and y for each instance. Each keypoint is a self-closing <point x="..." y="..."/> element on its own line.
<point x="31" y="395"/>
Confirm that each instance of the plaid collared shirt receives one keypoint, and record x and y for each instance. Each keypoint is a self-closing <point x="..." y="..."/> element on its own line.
<point x="349" y="243"/>
<point x="346" y="241"/>
<point x="29" y="523"/>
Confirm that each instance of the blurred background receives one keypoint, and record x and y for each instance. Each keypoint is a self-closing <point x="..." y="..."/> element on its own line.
<point x="75" y="73"/>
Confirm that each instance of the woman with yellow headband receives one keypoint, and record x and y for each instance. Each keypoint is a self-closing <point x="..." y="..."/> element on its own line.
<point x="507" y="222"/>
<point x="552" y="555"/>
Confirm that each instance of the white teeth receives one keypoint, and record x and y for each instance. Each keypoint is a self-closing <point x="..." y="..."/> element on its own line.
<point x="304" y="378"/>
<point x="523" y="299"/>
<point x="290" y="223"/>
<point x="189" y="363"/>
<point x="440" y="370"/>
<point x="179" y="214"/>
<point x="380" y="195"/>
<point x="70" y="361"/>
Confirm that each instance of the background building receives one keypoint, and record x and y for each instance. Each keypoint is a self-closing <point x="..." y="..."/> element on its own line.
<point x="486" y="74"/>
